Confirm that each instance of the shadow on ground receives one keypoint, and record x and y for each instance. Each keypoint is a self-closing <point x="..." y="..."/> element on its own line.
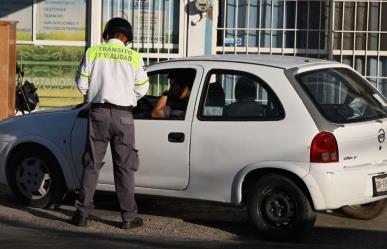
<point x="225" y="218"/>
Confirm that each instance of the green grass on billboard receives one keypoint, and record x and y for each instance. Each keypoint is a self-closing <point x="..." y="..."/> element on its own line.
<point x="59" y="97"/>
<point x="62" y="36"/>
<point x="24" y="36"/>
<point x="52" y="69"/>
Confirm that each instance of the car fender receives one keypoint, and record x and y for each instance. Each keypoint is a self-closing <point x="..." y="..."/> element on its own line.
<point x="5" y="148"/>
<point x="65" y="166"/>
<point x="299" y="169"/>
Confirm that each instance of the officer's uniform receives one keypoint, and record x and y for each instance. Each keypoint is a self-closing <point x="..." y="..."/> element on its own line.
<point x="113" y="78"/>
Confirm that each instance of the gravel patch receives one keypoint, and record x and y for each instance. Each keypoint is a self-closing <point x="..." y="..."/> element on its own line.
<point x="162" y="218"/>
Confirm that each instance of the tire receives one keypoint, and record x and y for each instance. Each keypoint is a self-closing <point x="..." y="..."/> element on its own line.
<point x="35" y="177"/>
<point x="279" y="209"/>
<point x="364" y="212"/>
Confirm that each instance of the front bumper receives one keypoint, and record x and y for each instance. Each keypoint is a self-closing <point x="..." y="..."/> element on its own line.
<point x="335" y="186"/>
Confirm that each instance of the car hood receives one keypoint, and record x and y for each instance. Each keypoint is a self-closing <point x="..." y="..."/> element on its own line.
<point x="49" y="110"/>
<point x="42" y="123"/>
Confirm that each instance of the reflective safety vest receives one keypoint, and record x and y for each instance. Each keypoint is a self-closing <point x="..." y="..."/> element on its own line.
<point x="112" y="73"/>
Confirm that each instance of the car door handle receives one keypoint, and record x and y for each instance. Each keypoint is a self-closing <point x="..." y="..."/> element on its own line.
<point x="176" y="137"/>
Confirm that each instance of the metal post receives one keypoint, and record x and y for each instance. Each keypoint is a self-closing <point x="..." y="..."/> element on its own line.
<point x="94" y="17"/>
<point x="330" y="30"/>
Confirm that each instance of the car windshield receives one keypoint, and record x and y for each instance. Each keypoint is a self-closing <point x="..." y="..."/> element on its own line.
<point x="342" y="96"/>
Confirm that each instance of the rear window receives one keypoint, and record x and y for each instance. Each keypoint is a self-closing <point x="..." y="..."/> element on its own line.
<point x="342" y="96"/>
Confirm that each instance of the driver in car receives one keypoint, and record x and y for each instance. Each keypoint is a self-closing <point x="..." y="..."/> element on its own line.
<point x="173" y="102"/>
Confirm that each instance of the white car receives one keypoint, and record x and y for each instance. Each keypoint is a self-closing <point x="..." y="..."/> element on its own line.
<point x="286" y="136"/>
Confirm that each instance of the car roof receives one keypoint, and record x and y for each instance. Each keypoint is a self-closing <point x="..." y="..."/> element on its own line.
<point x="278" y="61"/>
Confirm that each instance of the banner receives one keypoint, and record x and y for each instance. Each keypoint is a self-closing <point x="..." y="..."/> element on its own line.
<point x="63" y="20"/>
<point x="52" y="69"/>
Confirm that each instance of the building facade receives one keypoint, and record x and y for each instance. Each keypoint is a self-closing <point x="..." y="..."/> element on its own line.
<point x="53" y="34"/>
<point x="352" y="32"/>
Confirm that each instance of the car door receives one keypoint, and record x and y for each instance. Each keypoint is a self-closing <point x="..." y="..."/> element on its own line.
<point x="78" y="147"/>
<point x="241" y="121"/>
<point x="163" y="144"/>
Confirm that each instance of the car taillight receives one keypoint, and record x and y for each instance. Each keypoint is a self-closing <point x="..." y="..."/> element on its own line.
<point x="324" y="148"/>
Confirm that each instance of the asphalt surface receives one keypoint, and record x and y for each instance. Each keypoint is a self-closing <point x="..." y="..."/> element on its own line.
<point x="171" y="224"/>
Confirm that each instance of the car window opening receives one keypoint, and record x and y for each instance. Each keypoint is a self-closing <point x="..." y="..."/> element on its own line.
<point x="342" y="96"/>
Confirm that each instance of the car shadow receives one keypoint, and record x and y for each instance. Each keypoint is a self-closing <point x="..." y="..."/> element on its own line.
<point x="235" y="221"/>
<point x="10" y="201"/>
<point x="40" y="237"/>
<point x="222" y="217"/>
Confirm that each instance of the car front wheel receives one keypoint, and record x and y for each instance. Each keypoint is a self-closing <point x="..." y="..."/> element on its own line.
<point x="279" y="209"/>
<point x="35" y="177"/>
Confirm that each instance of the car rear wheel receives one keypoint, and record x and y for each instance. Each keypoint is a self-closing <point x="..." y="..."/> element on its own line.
<point x="364" y="212"/>
<point x="279" y="209"/>
<point x="35" y="177"/>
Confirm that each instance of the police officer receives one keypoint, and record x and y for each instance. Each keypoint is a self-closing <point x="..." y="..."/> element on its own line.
<point x="113" y="78"/>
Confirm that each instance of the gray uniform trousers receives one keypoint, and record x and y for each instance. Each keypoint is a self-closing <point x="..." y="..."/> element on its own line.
<point x="116" y="126"/>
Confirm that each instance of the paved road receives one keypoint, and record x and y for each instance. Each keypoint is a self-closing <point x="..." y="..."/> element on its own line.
<point x="171" y="224"/>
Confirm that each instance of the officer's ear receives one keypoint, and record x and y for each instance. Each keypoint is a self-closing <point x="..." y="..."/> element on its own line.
<point x="105" y="35"/>
<point x="127" y="41"/>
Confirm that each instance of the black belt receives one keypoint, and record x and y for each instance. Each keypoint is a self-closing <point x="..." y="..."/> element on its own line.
<point x="111" y="106"/>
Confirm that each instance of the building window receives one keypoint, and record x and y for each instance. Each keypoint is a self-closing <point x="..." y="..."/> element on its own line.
<point x="61" y="21"/>
<point x="155" y="23"/>
<point x="351" y="32"/>
<point x="21" y="11"/>
<point x="271" y="26"/>
<point x="360" y="38"/>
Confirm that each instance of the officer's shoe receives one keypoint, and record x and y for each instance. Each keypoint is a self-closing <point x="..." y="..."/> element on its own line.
<point x="136" y="222"/>
<point x="79" y="220"/>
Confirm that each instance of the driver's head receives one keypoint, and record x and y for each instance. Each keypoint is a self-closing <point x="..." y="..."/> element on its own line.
<point x="180" y="85"/>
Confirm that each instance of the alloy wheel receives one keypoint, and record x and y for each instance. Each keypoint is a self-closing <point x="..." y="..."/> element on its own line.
<point x="33" y="178"/>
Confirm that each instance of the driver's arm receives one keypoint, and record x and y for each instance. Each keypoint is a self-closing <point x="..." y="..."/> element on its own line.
<point x="158" y="110"/>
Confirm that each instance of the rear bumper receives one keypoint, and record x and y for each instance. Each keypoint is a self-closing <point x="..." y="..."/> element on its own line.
<point x="334" y="186"/>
